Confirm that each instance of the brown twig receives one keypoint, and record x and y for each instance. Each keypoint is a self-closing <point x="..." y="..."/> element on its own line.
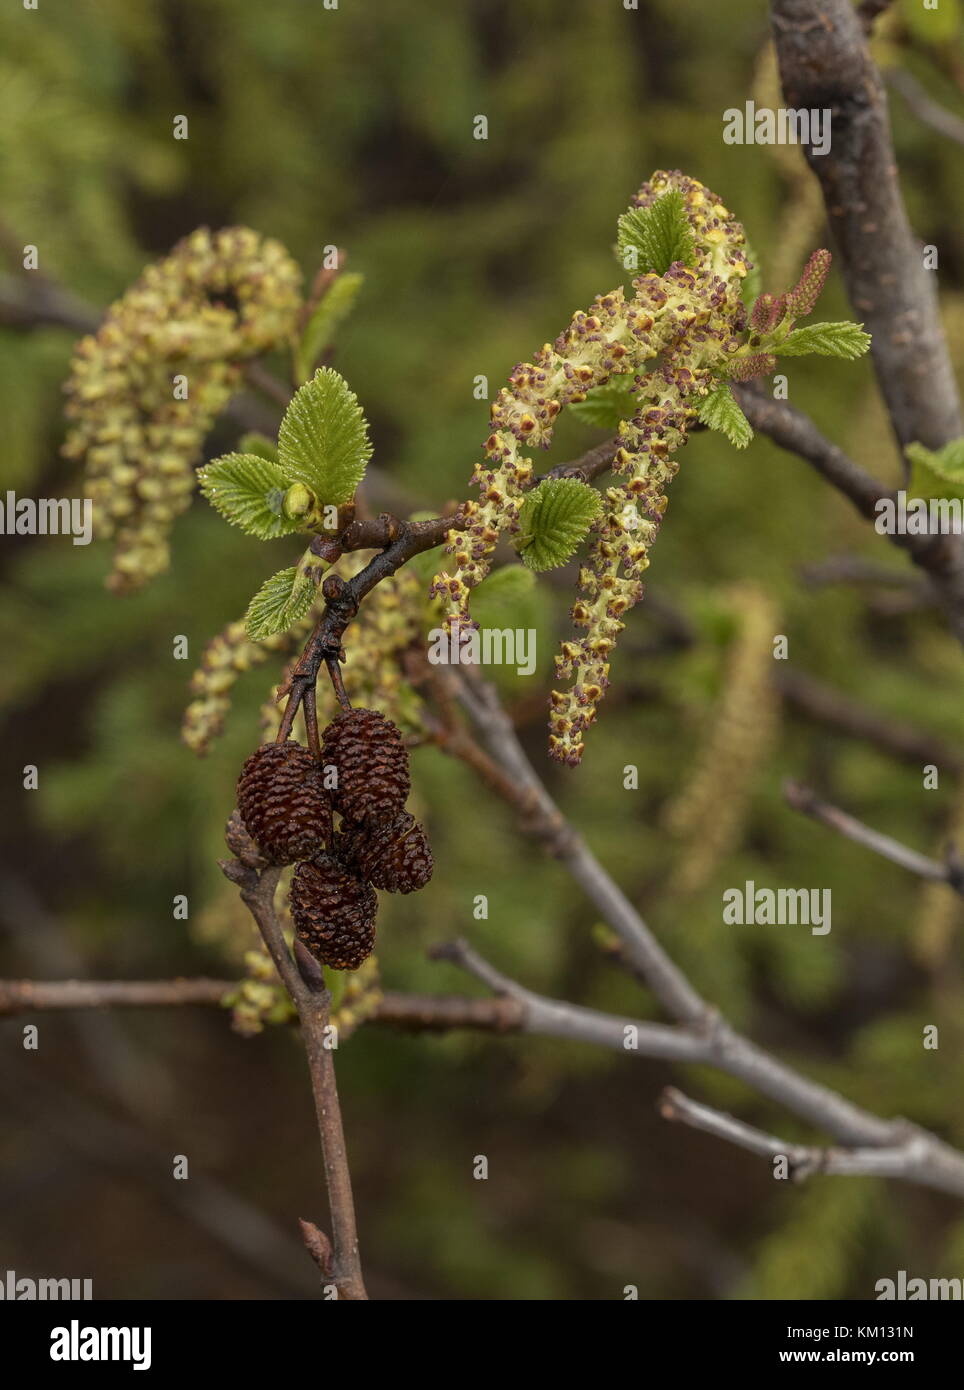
<point x="824" y="705"/>
<point x="312" y="1001"/>
<point x="19" y="996"/>
<point x="825" y="64"/>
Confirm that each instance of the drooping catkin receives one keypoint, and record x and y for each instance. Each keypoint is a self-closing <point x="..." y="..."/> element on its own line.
<point x="669" y="336"/>
<point x="145" y="388"/>
<point x="225" y="658"/>
<point x="708" y="813"/>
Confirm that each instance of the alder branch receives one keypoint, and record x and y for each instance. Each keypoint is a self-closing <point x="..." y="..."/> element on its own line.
<point x="825" y="705"/>
<point x="900" y="1160"/>
<point x="892" y="1149"/>
<point x="825" y="63"/>
<point x="20" y="996"/>
<point x="718" y="1044"/>
<point x="940" y="556"/>
<point x="305" y="983"/>
<point x="804" y="798"/>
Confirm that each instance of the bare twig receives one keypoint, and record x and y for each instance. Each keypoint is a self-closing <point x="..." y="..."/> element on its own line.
<point x="900" y="1160"/>
<point x="825" y="64"/>
<point x="924" y="107"/>
<point x="940" y="556"/>
<point x="19" y="996"/>
<point x="720" y="1045"/>
<point x="824" y="705"/>
<point x="312" y="1002"/>
<point x="805" y="799"/>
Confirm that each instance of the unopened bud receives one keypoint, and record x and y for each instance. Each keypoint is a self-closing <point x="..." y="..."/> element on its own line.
<point x="298" y="501"/>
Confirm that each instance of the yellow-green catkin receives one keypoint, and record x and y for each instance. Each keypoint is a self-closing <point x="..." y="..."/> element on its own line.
<point x="145" y="389"/>
<point x="709" y="812"/>
<point x="259" y="998"/>
<point x="226" y="657"/>
<point x="688" y="318"/>
<point x="390" y="621"/>
<point x="360" y="998"/>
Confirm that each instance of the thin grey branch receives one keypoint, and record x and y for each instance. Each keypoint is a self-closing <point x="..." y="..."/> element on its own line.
<point x="805" y="799"/>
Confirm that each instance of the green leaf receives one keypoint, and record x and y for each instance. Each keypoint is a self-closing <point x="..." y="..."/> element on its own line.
<point x="825" y="339"/>
<point x="282" y="600"/>
<point x="939" y="474"/>
<point x="259" y="444"/>
<point x="947" y="463"/>
<point x="553" y="520"/>
<point x="249" y="492"/>
<point x="659" y="234"/>
<point x="332" y="309"/>
<point x="323" y="441"/>
<point x="606" y="406"/>
<point x="720" y="411"/>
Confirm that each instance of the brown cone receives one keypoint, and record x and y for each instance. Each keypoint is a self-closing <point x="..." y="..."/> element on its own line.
<point x="333" y="912"/>
<point x="371" y="760"/>
<point x="283" y="803"/>
<point x="393" y="855"/>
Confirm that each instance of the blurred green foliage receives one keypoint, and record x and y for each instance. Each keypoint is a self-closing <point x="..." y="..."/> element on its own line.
<point x="353" y="127"/>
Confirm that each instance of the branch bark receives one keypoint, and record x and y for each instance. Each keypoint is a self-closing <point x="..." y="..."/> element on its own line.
<point x="940" y="556"/>
<point x="306" y="985"/>
<point x="805" y="799"/>
<point x="20" y="996"/>
<point x="825" y="63"/>
<point x="703" y="1029"/>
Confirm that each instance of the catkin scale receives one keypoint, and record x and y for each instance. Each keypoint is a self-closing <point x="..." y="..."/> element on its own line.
<point x="333" y="912"/>
<point x="283" y="803"/>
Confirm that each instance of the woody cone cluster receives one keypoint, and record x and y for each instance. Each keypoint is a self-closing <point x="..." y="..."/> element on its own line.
<point x="287" y="811"/>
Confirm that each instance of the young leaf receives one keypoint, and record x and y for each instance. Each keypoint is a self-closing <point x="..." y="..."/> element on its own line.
<point x="946" y="463"/>
<point x="936" y="474"/>
<point x="281" y="601"/>
<point x="554" y="518"/>
<point x="323" y="440"/>
<point x="608" y="405"/>
<point x="332" y="308"/>
<point x="826" y="340"/>
<point x="258" y="444"/>
<point x="249" y="492"/>
<point x="720" y="411"/>
<point x="659" y="234"/>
